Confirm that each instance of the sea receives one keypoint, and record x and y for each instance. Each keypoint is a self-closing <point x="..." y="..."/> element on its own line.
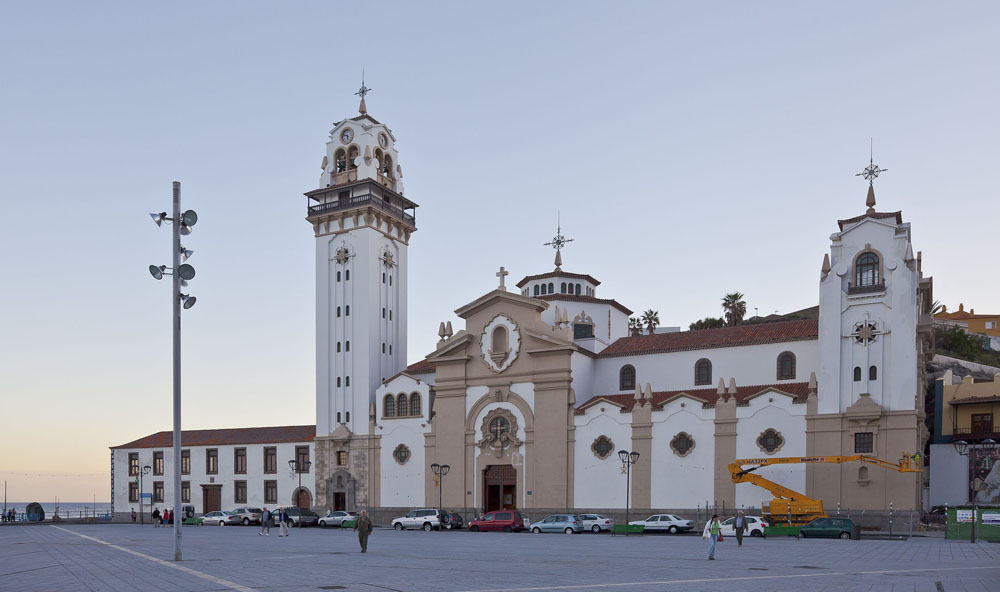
<point x="67" y="509"/>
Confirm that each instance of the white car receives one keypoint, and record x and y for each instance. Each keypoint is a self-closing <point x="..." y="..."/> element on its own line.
<point x="596" y="522"/>
<point x="220" y="518"/>
<point x="755" y="526"/>
<point x="337" y="518"/>
<point x="664" y="523"/>
<point x="426" y="519"/>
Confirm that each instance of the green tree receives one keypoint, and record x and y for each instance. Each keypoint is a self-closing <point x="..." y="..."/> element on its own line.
<point x="707" y="323"/>
<point x="651" y="319"/>
<point x="634" y="326"/>
<point x="735" y="308"/>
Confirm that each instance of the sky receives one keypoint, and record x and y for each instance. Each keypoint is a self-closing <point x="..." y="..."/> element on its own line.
<point x="689" y="149"/>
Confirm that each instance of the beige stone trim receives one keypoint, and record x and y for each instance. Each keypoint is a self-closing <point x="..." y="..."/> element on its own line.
<point x="725" y="450"/>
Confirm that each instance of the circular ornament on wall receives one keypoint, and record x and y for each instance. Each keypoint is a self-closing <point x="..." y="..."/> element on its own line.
<point x="682" y="444"/>
<point x="500" y="343"/>
<point x="401" y="454"/>
<point x="602" y="447"/>
<point x="770" y="441"/>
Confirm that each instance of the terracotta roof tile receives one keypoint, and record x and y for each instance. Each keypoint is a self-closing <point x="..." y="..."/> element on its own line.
<point x="227" y="436"/>
<point x="877" y="215"/>
<point x="799" y="330"/>
<point x="421" y="367"/>
<point x="709" y="396"/>
<point x="575" y="298"/>
<point x="560" y="273"/>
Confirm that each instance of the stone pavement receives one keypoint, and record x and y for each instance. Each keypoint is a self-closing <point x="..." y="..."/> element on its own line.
<point x="131" y="557"/>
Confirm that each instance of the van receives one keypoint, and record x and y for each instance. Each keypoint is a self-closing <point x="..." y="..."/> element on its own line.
<point x="505" y="520"/>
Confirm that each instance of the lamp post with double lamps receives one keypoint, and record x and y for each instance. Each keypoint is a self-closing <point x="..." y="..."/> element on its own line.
<point x="142" y="471"/>
<point x="440" y="471"/>
<point x="964" y="448"/>
<point x="628" y="459"/>
<point x="299" y="467"/>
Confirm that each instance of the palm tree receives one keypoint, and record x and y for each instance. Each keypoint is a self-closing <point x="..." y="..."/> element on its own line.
<point x="634" y="326"/>
<point x="707" y="323"/>
<point x="735" y="308"/>
<point x="651" y="319"/>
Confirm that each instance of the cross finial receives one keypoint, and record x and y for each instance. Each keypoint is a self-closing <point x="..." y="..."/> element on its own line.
<point x="558" y="242"/>
<point x="870" y="173"/>
<point x="364" y="90"/>
<point x="502" y="274"/>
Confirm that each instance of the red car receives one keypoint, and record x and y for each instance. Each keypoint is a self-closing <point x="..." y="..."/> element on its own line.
<point x="505" y="520"/>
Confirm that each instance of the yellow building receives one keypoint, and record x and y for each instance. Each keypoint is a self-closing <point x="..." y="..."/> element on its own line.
<point x="985" y="324"/>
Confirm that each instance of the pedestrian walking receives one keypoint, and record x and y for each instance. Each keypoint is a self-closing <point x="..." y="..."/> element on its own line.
<point x="740" y="526"/>
<point x="363" y="526"/>
<point x="283" y="522"/>
<point x="156" y="517"/>
<point x="711" y="532"/>
<point x="265" y="523"/>
<point x="133" y="515"/>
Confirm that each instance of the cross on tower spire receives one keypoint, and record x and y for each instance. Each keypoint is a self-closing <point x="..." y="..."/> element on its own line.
<point x="870" y="173"/>
<point x="364" y="90"/>
<point x="502" y="274"/>
<point x="558" y="242"/>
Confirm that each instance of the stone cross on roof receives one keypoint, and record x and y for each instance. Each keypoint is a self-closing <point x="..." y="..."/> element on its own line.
<point x="502" y="274"/>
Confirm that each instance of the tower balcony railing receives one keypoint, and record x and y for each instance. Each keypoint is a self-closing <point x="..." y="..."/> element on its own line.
<point x="872" y="289"/>
<point x="357" y="201"/>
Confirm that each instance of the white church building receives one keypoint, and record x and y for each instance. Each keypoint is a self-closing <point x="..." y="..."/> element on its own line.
<point x="532" y="390"/>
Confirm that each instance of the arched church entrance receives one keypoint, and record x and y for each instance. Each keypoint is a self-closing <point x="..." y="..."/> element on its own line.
<point x="341" y="491"/>
<point x="499" y="488"/>
<point x="303" y="499"/>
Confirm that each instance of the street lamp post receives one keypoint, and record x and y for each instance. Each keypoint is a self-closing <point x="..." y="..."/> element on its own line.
<point x="964" y="448"/>
<point x="181" y="273"/>
<point x="440" y="471"/>
<point x="628" y="459"/>
<point x="144" y="471"/>
<point x="299" y="467"/>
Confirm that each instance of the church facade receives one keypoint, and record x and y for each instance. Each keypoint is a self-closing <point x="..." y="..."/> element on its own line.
<point x="529" y="401"/>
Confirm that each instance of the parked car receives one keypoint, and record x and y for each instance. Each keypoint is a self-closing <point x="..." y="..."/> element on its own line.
<point x="567" y="523"/>
<point x="505" y="520"/>
<point x="337" y="518"/>
<point x="664" y="523"/>
<point x="220" y="518"/>
<point x="755" y="526"/>
<point x="248" y="515"/>
<point x="596" y="522"/>
<point x="452" y="520"/>
<point x="426" y="519"/>
<point x="828" y="527"/>
<point x="298" y="516"/>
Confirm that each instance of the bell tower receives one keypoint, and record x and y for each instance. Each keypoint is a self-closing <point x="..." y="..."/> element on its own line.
<point x="362" y="224"/>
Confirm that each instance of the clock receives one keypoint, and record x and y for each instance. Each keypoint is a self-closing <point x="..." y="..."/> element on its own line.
<point x="383" y="140"/>
<point x="347" y="135"/>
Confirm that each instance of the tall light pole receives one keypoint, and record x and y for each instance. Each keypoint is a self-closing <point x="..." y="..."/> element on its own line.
<point x="440" y="471"/>
<point x="181" y="272"/>
<point x="628" y="459"/>
<point x="143" y="471"/>
<point x="964" y="448"/>
<point x="299" y="467"/>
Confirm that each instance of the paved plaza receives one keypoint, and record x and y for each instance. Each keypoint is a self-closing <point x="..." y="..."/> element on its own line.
<point x="126" y="557"/>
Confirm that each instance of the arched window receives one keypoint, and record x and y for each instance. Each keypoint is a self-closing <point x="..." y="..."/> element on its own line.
<point x="347" y="275"/>
<point x="872" y="373"/>
<point x="347" y="310"/>
<point x="383" y="312"/>
<point x="536" y="289"/>
<point x="338" y="417"/>
<point x="866" y="270"/>
<point x="857" y="374"/>
<point x="347" y="381"/>
<point x="414" y="404"/>
<point x="389" y="406"/>
<point x="352" y="155"/>
<point x="387" y="167"/>
<point x="347" y="345"/>
<point x="338" y="312"/>
<point x="338" y="347"/>
<point x="340" y="160"/>
<point x="562" y="288"/>
<point x="401" y="406"/>
<point x="338" y="276"/>
<point x="578" y="289"/>
<point x="862" y="473"/>
<point x="383" y="347"/>
<point x="626" y="378"/>
<point x="551" y="288"/>
<point x="347" y="416"/>
<point x="338" y="382"/>
<point x="703" y="372"/>
<point x="786" y="366"/>
<point x="499" y="339"/>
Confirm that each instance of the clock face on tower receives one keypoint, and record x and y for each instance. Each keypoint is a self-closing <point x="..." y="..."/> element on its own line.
<point x="383" y="140"/>
<point x="347" y="135"/>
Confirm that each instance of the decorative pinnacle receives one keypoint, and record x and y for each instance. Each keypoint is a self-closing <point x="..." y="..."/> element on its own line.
<point x="870" y="173"/>
<point x="364" y="90"/>
<point x="558" y="242"/>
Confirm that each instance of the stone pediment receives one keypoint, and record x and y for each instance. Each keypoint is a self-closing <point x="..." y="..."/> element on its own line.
<point x="864" y="409"/>
<point x="341" y="434"/>
<point x="501" y="296"/>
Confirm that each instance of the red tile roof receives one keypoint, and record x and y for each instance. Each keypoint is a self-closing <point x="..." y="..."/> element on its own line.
<point x="800" y="330"/>
<point x="560" y="273"/>
<point x="799" y="390"/>
<point x="421" y="367"/>
<point x="877" y="215"/>
<point x="574" y="298"/>
<point x="227" y="436"/>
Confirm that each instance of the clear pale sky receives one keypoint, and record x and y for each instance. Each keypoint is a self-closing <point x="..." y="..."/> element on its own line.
<point x="691" y="148"/>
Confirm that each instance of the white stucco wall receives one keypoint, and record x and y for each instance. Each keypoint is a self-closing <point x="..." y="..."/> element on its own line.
<point x="402" y="485"/>
<point x="949" y="476"/>
<point x="599" y="483"/>
<point x="770" y="410"/>
<point x="689" y="481"/>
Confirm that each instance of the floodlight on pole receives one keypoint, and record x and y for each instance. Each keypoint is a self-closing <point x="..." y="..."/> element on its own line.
<point x="185" y="253"/>
<point x="186" y="272"/>
<point x="187" y="301"/>
<point x="157" y="271"/>
<point x="158" y="218"/>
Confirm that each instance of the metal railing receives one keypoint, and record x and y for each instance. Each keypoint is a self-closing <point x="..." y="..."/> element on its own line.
<point x="355" y="201"/>
<point x="873" y="289"/>
<point x="979" y="431"/>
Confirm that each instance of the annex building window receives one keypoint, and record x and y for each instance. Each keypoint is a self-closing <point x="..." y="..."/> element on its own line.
<point x="185" y="462"/>
<point x="158" y="462"/>
<point x="864" y="442"/>
<point x="133" y="464"/>
<point x="786" y="366"/>
<point x="301" y="458"/>
<point x="770" y="441"/>
<point x="581" y="331"/>
<point x="270" y="459"/>
<point x="414" y="404"/>
<point x="342" y="458"/>
<point x="239" y="492"/>
<point x="185" y="492"/>
<point x="402" y="406"/>
<point x="626" y="378"/>
<point x="240" y="461"/>
<point x="133" y="492"/>
<point x="212" y="461"/>
<point x="270" y="492"/>
<point x="703" y="372"/>
<point x="158" y="491"/>
<point x="389" y="407"/>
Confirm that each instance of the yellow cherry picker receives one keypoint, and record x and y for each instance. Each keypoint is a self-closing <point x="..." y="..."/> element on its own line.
<point x="796" y="509"/>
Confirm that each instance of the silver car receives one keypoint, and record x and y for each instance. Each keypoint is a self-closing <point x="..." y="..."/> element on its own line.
<point x="337" y="518"/>
<point x="220" y="518"/>
<point x="426" y="519"/>
<point x="596" y="522"/>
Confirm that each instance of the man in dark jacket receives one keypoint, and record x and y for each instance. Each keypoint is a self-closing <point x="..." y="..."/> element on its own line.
<point x="740" y="526"/>
<point x="363" y="526"/>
